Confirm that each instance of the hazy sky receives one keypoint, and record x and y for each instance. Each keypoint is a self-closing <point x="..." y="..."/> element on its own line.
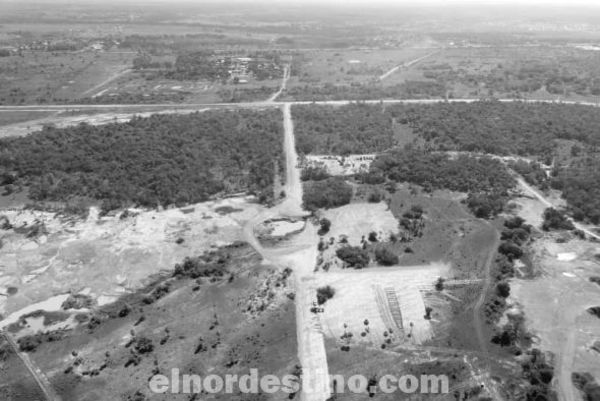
<point x="353" y="2"/>
<point x="411" y="2"/>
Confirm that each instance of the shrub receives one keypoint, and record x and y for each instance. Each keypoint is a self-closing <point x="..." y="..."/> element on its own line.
<point x="439" y="284"/>
<point x="503" y="289"/>
<point x="485" y="205"/>
<point x="143" y="345"/>
<point x="313" y="173"/>
<point x="374" y="197"/>
<point x="353" y="256"/>
<point x="514" y="222"/>
<point x="594" y="310"/>
<point x="386" y="257"/>
<point x="510" y="250"/>
<point x="555" y="220"/>
<point x="332" y="192"/>
<point x="324" y="294"/>
<point x="325" y="226"/>
<point x="516" y="235"/>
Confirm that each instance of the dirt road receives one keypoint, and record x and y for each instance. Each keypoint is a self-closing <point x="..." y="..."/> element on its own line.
<point x="96" y="89"/>
<point x="477" y="311"/>
<point x="299" y="254"/>
<point x="405" y="65"/>
<point x="39" y="376"/>
<point x="535" y="193"/>
<point x="286" y="76"/>
<point x="566" y="355"/>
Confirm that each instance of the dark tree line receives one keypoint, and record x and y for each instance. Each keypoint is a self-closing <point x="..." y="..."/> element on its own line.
<point x="438" y="171"/>
<point x="498" y="127"/>
<point x="486" y="126"/>
<point x="356" y="128"/>
<point x="527" y="129"/>
<point x="485" y="179"/>
<point x="160" y="160"/>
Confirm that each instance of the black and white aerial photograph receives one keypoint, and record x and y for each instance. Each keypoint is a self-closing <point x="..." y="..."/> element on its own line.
<point x="308" y="200"/>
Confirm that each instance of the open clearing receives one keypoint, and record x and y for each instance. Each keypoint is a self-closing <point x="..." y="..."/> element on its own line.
<point x="388" y="298"/>
<point x="556" y="304"/>
<point x="359" y="219"/>
<point x="109" y="255"/>
<point x="62" y="120"/>
<point x="340" y="165"/>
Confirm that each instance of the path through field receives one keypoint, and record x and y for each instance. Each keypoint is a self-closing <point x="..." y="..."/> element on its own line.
<point x="286" y="76"/>
<point x="97" y="89"/>
<point x="477" y="311"/>
<point x="405" y="65"/>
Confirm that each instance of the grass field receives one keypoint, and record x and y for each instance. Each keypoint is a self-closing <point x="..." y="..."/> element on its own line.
<point x="47" y="77"/>
<point x="199" y="327"/>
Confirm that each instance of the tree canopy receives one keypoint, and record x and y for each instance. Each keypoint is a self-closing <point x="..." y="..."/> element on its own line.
<point x="160" y="160"/>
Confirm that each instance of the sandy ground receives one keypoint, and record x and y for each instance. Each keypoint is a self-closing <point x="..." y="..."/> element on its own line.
<point x="109" y="256"/>
<point x="359" y="219"/>
<point x="555" y="308"/>
<point x="388" y="297"/>
<point x="555" y="304"/>
<point x="340" y="165"/>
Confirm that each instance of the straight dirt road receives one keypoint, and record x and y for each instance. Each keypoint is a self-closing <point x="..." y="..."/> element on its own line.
<point x="286" y="76"/>
<point x="299" y="254"/>
<point x="477" y="312"/>
<point x="405" y="65"/>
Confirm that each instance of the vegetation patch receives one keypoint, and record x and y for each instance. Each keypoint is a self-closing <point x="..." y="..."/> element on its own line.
<point x="556" y="220"/>
<point x="324" y="294"/>
<point x="332" y="192"/>
<point x="160" y="160"/>
<point x="353" y="256"/>
<point x="485" y="179"/>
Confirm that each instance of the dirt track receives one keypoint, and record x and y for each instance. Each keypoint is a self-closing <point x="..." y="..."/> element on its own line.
<point x="286" y="76"/>
<point x="300" y="255"/>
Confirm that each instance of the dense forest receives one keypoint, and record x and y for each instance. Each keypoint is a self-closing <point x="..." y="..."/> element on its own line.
<point x="527" y="129"/>
<point x="437" y="171"/>
<point x="498" y="127"/>
<point x="485" y="179"/>
<point x="485" y="126"/>
<point x="355" y="128"/>
<point x="580" y="186"/>
<point x="160" y="160"/>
